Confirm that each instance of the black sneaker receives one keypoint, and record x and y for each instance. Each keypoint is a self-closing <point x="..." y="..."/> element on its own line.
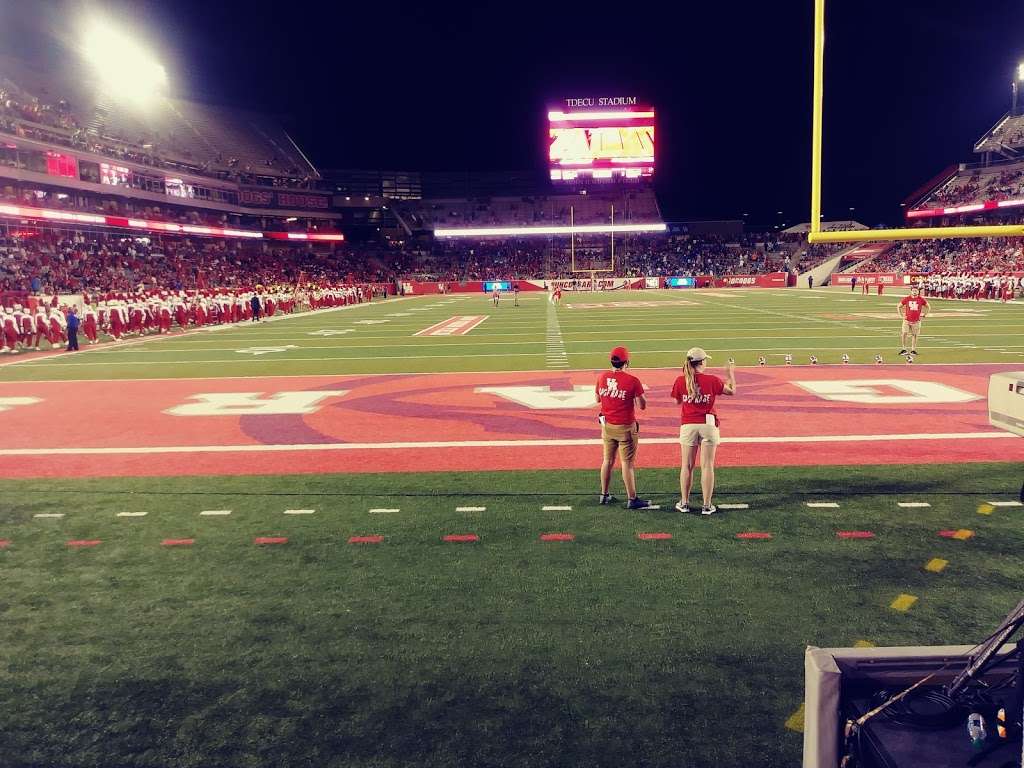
<point x="638" y="504"/>
<point x="682" y="507"/>
<point x="606" y="498"/>
<point x="913" y="351"/>
<point x="708" y="510"/>
<point x="903" y="351"/>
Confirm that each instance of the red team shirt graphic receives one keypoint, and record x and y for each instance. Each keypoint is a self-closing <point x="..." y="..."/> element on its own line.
<point x="618" y="390"/>
<point x="912" y="307"/>
<point x="696" y="408"/>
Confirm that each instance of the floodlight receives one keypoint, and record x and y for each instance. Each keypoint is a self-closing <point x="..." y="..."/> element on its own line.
<point x="125" y="67"/>
<point x="1020" y="71"/>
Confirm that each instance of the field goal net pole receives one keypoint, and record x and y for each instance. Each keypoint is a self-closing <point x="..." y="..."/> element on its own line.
<point x="590" y="268"/>
<point x="816" y="235"/>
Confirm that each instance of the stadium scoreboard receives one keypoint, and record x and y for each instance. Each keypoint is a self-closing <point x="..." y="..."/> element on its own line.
<point x="601" y="138"/>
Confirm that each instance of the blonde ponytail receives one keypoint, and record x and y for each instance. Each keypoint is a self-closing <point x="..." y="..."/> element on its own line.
<point x="692" y="387"/>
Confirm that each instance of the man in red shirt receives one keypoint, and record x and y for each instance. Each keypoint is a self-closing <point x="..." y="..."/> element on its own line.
<point x="911" y="308"/>
<point x="618" y="393"/>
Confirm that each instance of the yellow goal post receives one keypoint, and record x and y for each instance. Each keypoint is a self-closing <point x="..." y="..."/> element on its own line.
<point x="904" y="233"/>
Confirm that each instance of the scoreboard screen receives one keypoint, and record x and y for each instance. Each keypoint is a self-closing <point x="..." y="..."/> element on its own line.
<point x="601" y="142"/>
<point x="681" y="282"/>
<point x="501" y="285"/>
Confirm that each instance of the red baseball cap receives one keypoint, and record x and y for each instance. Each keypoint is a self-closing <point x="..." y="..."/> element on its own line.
<point x="621" y="354"/>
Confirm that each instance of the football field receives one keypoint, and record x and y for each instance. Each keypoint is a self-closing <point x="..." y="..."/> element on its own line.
<point x="370" y="536"/>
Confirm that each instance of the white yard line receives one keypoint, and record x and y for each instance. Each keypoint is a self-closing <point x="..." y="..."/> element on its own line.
<point x="555" y="356"/>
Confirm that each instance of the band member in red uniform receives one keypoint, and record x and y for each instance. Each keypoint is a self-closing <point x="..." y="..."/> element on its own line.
<point x="25" y="325"/>
<point x="696" y="391"/>
<point x="912" y="309"/>
<point x="10" y="331"/>
<point x="89" y="323"/>
<point x="58" y="325"/>
<point x="42" y="325"/>
<point x="116" y="321"/>
<point x="618" y="393"/>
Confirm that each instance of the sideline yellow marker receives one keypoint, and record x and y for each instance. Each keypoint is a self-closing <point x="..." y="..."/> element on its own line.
<point x="863" y="644"/>
<point x="935" y="565"/>
<point x="795" y="722"/>
<point x="903" y="603"/>
<point x="986" y="509"/>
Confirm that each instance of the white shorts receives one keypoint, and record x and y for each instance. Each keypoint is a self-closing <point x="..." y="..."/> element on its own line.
<point x="695" y="434"/>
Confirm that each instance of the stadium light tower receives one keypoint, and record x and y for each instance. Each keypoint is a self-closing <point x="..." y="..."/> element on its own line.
<point x="126" y="69"/>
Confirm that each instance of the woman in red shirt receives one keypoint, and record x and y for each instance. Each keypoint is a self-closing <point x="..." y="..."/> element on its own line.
<point x="696" y="391"/>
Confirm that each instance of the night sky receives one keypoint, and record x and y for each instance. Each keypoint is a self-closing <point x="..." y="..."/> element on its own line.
<point x="458" y="86"/>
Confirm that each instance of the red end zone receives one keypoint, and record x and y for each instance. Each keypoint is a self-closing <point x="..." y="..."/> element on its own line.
<point x="440" y="422"/>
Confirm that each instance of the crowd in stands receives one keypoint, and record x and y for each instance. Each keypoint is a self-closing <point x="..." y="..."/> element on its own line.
<point x="638" y="206"/>
<point x="975" y="186"/>
<point x="950" y="256"/>
<point x="72" y="262"/>
<point x="64" y="261"/>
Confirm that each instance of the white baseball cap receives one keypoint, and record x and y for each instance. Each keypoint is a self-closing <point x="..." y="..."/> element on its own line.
<point x="696" y="354"/>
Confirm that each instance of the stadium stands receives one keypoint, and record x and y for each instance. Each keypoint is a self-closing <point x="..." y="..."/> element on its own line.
<point x="953" y="256"/>
<point x="173" y="134"/>
<point x="639" y="205"/>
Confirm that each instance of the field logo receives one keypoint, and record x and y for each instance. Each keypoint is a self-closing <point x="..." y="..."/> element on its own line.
<point x="254" y="404"/>
<point x="868" y="391"/>
<point x="459" y="325"/>
<point x="541" y="398"/>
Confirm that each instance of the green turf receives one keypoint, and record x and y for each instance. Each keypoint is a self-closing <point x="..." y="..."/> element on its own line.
<point x="606" y="651"/>
<point x="742" y="323"/>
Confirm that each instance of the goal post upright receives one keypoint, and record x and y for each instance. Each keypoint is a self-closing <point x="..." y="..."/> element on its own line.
<point x="815" y="235"/>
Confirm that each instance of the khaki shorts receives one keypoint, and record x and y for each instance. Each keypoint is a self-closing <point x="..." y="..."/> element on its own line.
<point x="912" y="328"/>
<point x="623" y="438"/>
<point x="695" y="434"/>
